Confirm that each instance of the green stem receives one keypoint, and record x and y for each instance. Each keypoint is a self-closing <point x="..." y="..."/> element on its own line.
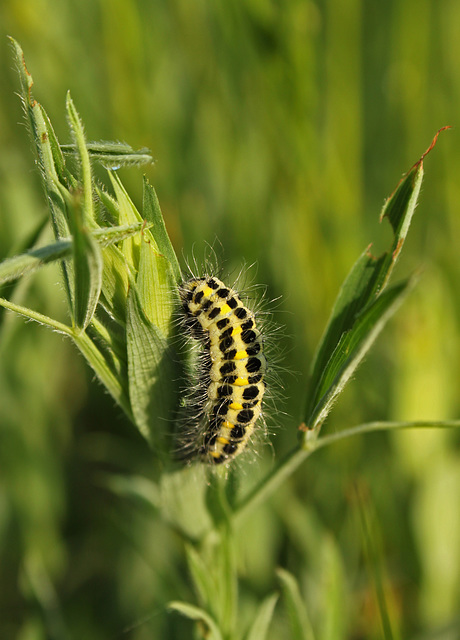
<point x="290" y="463"/>
<point x="87" y="347"/>
<point x="369" y="427"/>
<point x="271" y="482"/>
<point x="38" y="317"/>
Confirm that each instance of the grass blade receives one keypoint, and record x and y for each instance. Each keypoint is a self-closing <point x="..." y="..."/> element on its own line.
<point x="261" y="624"/>
<point x="298" y="616"/>
<point x="195" y="613"/>
<point x="373" y="553"/>
<point x="204" y="585"/>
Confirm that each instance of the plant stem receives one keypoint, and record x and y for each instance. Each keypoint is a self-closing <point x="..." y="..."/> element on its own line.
<point x="290" y="463"/>
<point x="369" y="427"/>
<point x="38" y="317"/>
<point x="87" y="348"/>
<point x="271" y="482"/>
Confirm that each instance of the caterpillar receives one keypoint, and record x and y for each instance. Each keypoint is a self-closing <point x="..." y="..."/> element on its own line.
<point x="227" y="400"/>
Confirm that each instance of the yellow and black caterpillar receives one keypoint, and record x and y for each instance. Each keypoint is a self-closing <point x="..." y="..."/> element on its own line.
<point x="231" y="385"/>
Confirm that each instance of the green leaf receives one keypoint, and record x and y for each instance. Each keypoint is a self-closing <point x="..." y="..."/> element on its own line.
<point x="64" y="176"/>
<point x="195" y="613"/>
<point x="202" y="580"/>
<point x="156" y="287"/>
<point x="112" y="155"/>
<point x="152" y="213"/>
<point x="127" y="214"/>
<point x="332" y="592"/>
<point x="87" y="257"/>
<point x="25" y="244"/>
<point x="13" y="268"/>
<point x="115" y="283"/>
<point x="350" y="350"/>
<point x="227" y="589"/>
<point x="50" y="159"/>
<point x="346" y="330"/>
<point x="26" y="263"/>
<point x="78" y="133"/>
<point x="374" y="557"/>
<point x="138" y="488"/>
<point x="297" y="612"/>
<point x="261" y="624"/>
<point x="103" y="365"/>
<point x="152" y="374"/>
<point x="126" y="209"/>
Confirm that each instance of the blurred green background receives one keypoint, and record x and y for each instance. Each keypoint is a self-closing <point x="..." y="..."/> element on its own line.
<point x="278" y="128"/>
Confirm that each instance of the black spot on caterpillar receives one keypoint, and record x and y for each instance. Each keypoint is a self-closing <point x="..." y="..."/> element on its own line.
<point x="228" y="399"/>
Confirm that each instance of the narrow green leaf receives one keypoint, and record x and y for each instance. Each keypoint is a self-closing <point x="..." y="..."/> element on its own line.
<point x="87" y="261"/>
<point x="152" y="213"/>
<point x="157" y="288"/>
<point x="297" y="612"/>
<point x="26" y="263"/>
<point x="195" y="613"/>
<point x="110" y="205"/>
<point x="115" y="283"/>
<point x="367" y="277"/>
<point x="350" y="350"/>
<point x="332" y="620"/>
<point x="202" y="581"/>
<point x="64" y="176"/>
<point x="78" y="133"/>
<point x="41" y="584"/>
<point x="34" y="114"/>
<point x="260" y="627"/>
<point x="24" y="76"/>
<point x="364" y="284"/>
<point x="25" y="244"/>
<point x="112" y="155"/>
<point x="49" y="157"/>
<point x="127" y="214"/>
<point x="374" y="556"/>
<point x="152" y="374"/>
<point x="353" y="296"/>
<point x="136" y="488"/>
<point x="13" y="268"/>
<point x="103" y="367"/>
<point x="36" y="119"/>
<point x="227" y="591"/>
<point x="109" y="336"/>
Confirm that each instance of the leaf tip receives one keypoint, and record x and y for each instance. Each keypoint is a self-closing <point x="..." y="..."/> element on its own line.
<point x="419" y="162"/>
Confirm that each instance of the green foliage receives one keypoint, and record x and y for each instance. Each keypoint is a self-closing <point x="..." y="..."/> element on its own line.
<point x="133" y="283"/>
<point x="257" y="125"/>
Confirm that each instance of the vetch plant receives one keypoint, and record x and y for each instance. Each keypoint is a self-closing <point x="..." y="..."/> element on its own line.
<point x="121" y="278"/>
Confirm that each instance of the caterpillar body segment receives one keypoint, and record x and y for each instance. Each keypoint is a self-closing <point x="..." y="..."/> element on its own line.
<point x="231" y="386"/>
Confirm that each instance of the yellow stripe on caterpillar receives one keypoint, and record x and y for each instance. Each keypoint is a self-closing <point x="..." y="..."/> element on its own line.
<point x="240" y="355"/>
